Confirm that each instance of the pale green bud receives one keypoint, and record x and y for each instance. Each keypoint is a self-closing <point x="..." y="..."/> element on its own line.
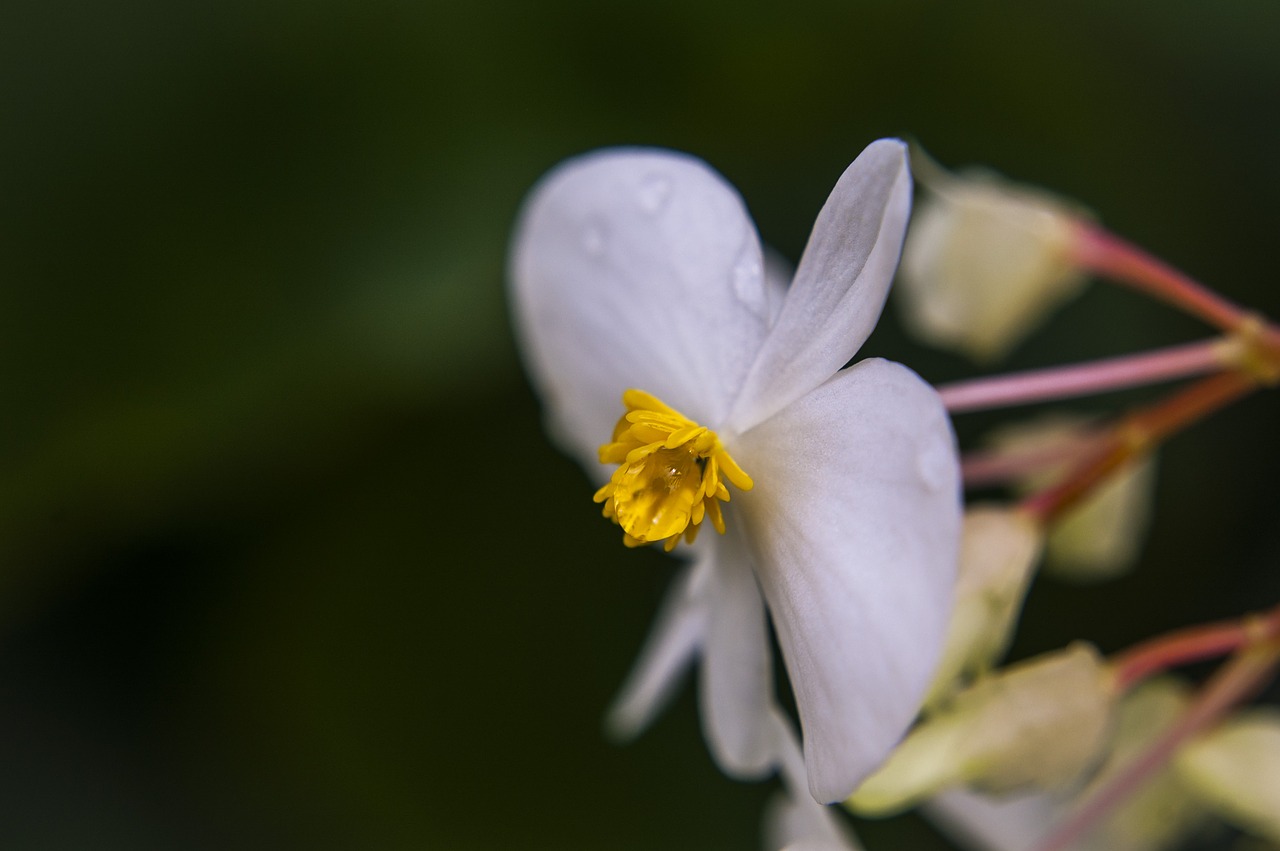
<point x="1235" y="769"/>
<point x="1040" y="723"/>
<point x="1101" y="536"/>
<point x="1154" y="817"/>
<point x="999" y="548"/>
<point x="985" y="260"/>
<point x="1161" y="811"/>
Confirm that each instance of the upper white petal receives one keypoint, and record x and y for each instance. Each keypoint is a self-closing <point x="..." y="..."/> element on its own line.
<point x="840" y="286"/>
<point x="636" y="268"/>
<point x="854" y="525"/>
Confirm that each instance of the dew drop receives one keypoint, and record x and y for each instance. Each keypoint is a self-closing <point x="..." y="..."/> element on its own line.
<point x="748" y="284"/>
<point x="593" y="238"/>
<point x="655" y="190"/>
<point x="935" y="464"/>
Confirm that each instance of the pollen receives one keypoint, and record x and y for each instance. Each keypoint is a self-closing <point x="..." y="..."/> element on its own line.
<point x="671" y="474"/>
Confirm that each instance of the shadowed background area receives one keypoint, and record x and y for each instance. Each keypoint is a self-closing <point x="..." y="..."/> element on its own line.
<point x="285" y="560"/>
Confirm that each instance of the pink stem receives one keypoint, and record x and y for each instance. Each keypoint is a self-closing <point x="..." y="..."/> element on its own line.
<point x="1106" y="254"/>
<point x="1021" y="388"/>
<point x="1235" y="681"/>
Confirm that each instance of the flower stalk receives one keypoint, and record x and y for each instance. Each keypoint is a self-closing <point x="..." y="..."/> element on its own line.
<point x="1120" y="373"/>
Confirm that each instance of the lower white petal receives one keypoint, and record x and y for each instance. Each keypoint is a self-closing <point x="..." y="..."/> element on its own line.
<point x="736" y="682"/>
<point x="854" y="527"/>
<point x="793" y="820"/>
<point x="670" y="648"/>
<point x="984" y="823"/>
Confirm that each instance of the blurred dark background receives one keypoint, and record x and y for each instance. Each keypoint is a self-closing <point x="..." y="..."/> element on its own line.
<point x="285" y="560"/>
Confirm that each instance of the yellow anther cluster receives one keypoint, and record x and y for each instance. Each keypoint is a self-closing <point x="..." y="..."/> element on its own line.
<point x="671" y="474"/>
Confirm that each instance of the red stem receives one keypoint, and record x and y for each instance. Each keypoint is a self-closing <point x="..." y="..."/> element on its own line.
<point x="1106" y="254"/>
<point x="1193" y="644"/>
<point x="1136" y="434"/>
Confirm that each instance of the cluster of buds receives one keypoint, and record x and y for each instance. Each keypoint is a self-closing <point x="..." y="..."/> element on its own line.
<point x="1071" y="750"/>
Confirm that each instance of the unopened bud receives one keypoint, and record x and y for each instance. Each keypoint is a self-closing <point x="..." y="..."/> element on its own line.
<point x="999" y="549"/>
<point x="1155" y="817"/>
<point x="1040" y="723"/>
<point x="1161" y="811"/>
<point x="1235" y="769"/>
<point x="985" y="260"/>
<point x="1101" y="536"/>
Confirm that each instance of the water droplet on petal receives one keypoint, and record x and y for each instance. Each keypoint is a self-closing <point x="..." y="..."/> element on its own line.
<point x="654" y="192"/>
<point x="593" y="238"/>
<point x="936" y="464"/>
<point x="748" y="284"/>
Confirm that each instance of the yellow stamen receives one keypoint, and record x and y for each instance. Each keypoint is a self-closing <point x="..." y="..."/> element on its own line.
<point x="671" y="474"/>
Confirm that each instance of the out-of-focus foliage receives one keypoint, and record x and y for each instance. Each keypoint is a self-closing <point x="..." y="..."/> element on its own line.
<point x="284" y="556"/>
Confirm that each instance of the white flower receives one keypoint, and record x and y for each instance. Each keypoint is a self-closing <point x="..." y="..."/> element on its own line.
<point x="641" y="270"/>
<point x="986" y="261"/>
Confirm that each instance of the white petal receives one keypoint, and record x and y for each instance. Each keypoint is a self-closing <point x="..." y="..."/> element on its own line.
<point x="793" y="820"/>
<point x="840" y="285"/>
<point x="985" y="823"/>
<point x="736" y="684"/>
<point x="635" y="268"/>
<point x="854" y="523"/>
<point x="796" y="822"/>
<point x="671" y="647"/>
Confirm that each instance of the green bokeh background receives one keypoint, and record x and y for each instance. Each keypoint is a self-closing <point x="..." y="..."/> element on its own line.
<point x="285" y="560"/>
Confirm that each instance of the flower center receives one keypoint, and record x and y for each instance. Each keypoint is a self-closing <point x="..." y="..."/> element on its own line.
<point x="671" y="474"/>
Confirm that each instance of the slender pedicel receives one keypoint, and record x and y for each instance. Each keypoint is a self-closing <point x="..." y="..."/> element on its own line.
<point x="1137" y="370"/>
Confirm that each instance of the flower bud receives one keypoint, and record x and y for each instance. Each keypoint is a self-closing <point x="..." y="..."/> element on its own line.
<point x="1235" y="769"/>
<point x="999" y="548"/>
<point x="1152" y="818"/>
<point x="1161" y="812"/>
<point x="1040" y="723"/>
<point x="1101" y="536"/>
<point x="985" y="260"/>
